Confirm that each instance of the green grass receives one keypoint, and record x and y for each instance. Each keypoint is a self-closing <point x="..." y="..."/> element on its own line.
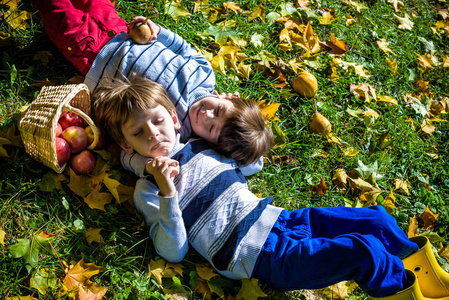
<point x="26" y="210"/>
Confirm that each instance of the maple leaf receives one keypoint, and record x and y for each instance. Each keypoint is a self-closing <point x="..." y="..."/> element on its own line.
<point x="393" y="66"/>
<point x="389" y="202"/>
<point x="340" y="178"/>
<point x="51" y="181"/>
<point x="367" y="171"/>
<point x="426" y="61"/>
<point x="206" y="272"/>
<point x="412" y="228"/>
<point x="400" y="183"/>
<point x="387" y="100"/>
<point x="175" y="10"/>
<point x="363" y="90"/>
<point x="91" y="291"/>
<point x="161" y="269"/>
<point x="43" y="56"/>
<point x="42" y="280"/>
<point x="269" y="110"/>
<point x="93" y="235"/>
<point x="358" y="69"/>
<point x="327" y="18"/>
<point x="341" y="290"/>
<point x="2" y="236"/>
<point x="80" y="184"/>
<point x="29" y="249"/>
<point x="405" y="23"/>
<point x="338" y="47"/>
<point x="383" y="45"/>
<point x="429" y="218"/>
<point x="427" y="127"/>
<point x="250" y="290"/>
<point x="97" y="199"/>
<point x="320" y="188"/>
<point x="15" y="18"/>
<point x="222" y="32"/>
<point x="396" y="4"/>
<point x="357" y="5"/>
<point x="258" y="12"/>
<point x="77" y="278"/>
<point x="310" y="41"/>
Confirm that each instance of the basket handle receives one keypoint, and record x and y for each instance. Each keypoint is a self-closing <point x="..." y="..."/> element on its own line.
<point x="88" y="120"/>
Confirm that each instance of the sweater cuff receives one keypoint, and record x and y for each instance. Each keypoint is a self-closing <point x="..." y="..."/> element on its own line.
<point x="169" y="206"/>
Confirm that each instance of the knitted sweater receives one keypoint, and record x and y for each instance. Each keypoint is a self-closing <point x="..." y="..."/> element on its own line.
<point x="170" y="60"/>
<point x="213" y="210"/>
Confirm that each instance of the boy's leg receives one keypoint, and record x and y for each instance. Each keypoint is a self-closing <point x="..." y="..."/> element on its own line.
<point x="374" y="220"/>
<point x="290" y="264"/>
<point x="335" y="244"/>
<point x="80" y="28"/>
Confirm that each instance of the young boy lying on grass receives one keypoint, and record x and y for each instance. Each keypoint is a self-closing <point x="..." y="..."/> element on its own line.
<point x="92" y="36"/>
<point x="195" y="196"/>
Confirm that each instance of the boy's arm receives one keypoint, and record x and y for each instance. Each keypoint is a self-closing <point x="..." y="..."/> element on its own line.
<point x="167" y="231"/>
<point x="164" y="217"/>
<point x="171" y="40"/>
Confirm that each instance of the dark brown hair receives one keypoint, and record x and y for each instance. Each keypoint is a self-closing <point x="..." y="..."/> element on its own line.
<point x="245" y="135"/>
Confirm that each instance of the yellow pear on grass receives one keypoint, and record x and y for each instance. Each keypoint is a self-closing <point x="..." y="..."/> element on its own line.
<point x="320" y="124"/>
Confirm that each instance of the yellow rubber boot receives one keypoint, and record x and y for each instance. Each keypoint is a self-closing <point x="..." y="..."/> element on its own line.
<point x="411" y="292"/>
<point x="433" y="280"/>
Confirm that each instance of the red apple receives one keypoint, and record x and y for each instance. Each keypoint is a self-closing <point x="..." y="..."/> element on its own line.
<point x="62" y="150"/>
<point x="69" y="118"/>
<point x="58" y="129"/>
<point x="90" y="137"/>
<point x="76" y="137"/>
<point x="83" y="163"/>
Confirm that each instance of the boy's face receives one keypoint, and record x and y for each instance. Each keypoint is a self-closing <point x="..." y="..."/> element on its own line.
<point x="208" y="115"/>
<point x="150" y="133"/>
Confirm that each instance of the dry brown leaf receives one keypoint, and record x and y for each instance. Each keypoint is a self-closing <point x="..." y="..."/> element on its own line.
<point x="320" y="188"/>
<point x="429" y="218"/>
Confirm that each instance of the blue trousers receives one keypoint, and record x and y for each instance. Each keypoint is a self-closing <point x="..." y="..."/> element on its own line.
<point x="313" y="248"/>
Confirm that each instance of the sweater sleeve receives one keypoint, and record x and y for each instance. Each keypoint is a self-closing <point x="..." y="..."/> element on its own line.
<point x="253" y="168"/>
<point x="134" y="163"/>
<point x="178" y="45"/>
<point x="164" y="218"/>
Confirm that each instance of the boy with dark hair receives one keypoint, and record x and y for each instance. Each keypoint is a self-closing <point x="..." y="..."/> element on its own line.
<point x="196" y="196"/>
<point x="92" y="36"/>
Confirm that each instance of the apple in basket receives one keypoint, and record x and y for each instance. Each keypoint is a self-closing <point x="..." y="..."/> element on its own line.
<point x="58" y="129"/>
<point x="62" y="150"/>
<point x="83" y="163"/>
<point x="76" y="137"/>
<point x="90" y="137"/>
<point x="69" y="118"/>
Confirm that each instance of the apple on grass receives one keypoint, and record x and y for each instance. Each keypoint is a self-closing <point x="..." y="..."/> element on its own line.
<point x="83" y="163"/>
<point x="62" y="150"/>
<point x="90" y="137"/>
<point x="69" y="118"/>
<point x="76" y="137"/>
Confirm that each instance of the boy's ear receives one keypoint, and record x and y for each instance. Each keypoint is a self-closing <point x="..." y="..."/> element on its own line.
<point x="175" y="119"/>
<point x="127" y="148"/>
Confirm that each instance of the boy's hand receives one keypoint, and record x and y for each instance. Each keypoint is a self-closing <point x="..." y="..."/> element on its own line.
<point x="227" y="96"/>
<point x="154" y="27"/>
<point x="164" y="170"/>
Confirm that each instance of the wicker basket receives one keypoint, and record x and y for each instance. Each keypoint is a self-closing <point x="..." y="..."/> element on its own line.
<point x="38" y="126"/>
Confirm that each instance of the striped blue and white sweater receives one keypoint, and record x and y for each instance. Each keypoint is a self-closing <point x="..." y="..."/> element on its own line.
<point x="213" y="211"/>
<point x="170" y="60"/>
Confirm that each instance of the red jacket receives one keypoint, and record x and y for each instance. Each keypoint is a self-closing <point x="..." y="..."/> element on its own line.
<point x="80" y="28"/>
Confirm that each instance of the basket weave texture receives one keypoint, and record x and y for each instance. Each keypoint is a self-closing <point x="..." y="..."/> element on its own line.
<point x="38" y="126"/>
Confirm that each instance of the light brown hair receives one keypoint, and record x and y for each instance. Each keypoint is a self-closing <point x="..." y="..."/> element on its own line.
<point x="114" y="100"/>
<point x="245" y="136"/>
